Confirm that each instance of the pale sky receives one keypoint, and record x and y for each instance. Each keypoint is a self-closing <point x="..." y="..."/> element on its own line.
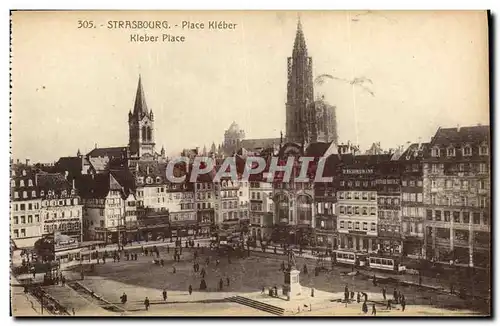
<point x="74" y="87"/>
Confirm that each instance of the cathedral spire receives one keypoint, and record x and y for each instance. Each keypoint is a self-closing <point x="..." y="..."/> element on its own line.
<point x="299" y="46"/>
<point x="140" y="106"/>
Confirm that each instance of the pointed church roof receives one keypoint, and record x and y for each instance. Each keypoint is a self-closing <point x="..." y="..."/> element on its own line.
<point x="140" y="106"/>
<point x="299" y="46"/>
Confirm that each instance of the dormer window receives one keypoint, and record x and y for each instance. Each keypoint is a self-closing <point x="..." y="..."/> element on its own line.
<point x="149" y="180"/>
<point x="12" y="183"/>
<point x="30" y="183"/>
<point x="158" y="180"/>
<point x="25" y="194"/>
<point x="467" y="151"/>
<point x="450" y="151"/>
<point x="33" y="193"/>
<point x="21" y="183"/>
<point x="483" y="150"/>
<point x="13" y="173"/>
<point x="24" y="172"/>
<point x="72" y="192"/>
<point x="435" y="152"/>
<point x="42" y="193"/>
<point x="64" y="193"/>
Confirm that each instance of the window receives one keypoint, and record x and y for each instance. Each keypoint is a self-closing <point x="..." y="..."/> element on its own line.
<point x="467" y="151"/>
<point x="349" y="225"/>
<point x="433" y="199"/>
<point x="486" y="218"/>
<point x="419" y="183"/>
<point x="16" y="194"/>
<point x="435" y="152"/>
<point x="16" y="233"/>
<point x="412" y="183"/>
<point x="356" y="210"/>
<point x="23" y="231"/>
<point x="446" y="216"/>
<point x="482" y="184"/>
<point x="464" y="201"/>
<point x="456" y="217"/>
<point x="429" y="214"/>
<point x="450" y="151"/>
<point x="465" y="217"/>
<point x="476" y="218"/>
<point x="341" y="224"/>
<point x="434" y="168"/>
<point x="482" y="168"/>
<point x="483" y="150"/>
<point x="342" y="210"/>
<point x="348" y="195"/>
<point x="365" y="211"/>
<point x="433" y="184"/>
<point x="349" y="210"/>
<point x="373" y="196"/>
<point x="356" y="226"/>
<point x="16" y="220"/>
<point x="373" y="211"/>
<point x="25" y="194"/>
<point x="23" y="219"/>
<point x="404" y="183"/>
<point x="419" y="197"/>
<point x="482" y="202"/>
<point x="372" y="227"/>
<point x="356" y="195"/>
<point x="365" y="226"/>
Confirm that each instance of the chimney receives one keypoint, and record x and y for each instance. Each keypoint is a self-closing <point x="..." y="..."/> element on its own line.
<point x="73" y="183"/>
<point x="95" y="145"/>
<point x="27" y="161"/>
<point x="17" y="161"/>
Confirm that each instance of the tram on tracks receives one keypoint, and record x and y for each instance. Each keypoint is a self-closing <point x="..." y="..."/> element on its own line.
<point x="368" y="261"/>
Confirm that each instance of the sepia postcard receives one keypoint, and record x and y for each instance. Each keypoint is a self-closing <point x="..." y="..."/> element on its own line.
<point x="250" y="163"/>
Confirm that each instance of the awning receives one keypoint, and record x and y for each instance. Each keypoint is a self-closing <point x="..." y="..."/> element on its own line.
<point x="25" y="243"/>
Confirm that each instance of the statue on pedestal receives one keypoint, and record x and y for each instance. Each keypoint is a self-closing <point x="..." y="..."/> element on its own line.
<point x="291" y="260"/>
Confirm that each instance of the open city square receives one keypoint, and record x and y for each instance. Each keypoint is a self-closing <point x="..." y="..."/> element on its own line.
<point x="319" y="220"/>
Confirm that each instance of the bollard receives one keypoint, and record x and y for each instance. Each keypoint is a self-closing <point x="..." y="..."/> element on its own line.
<point x="312" y="292"/>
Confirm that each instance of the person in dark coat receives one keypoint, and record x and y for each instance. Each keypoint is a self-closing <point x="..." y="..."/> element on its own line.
<point x="124" y="298"/>
<point x="221" y="284"/>
<point x="374" y="310"/>
<point x="395" y="295"/>
<point x="384" y="293"/>
<point x="164" y="293"/>
<point x="227" y="281"/>
<point x="146" y="303"/>
<point x="358" y="298"/>
<point x="190" y="289"/>
<point x="364" y="307"/>
<point x="389" y="304"/>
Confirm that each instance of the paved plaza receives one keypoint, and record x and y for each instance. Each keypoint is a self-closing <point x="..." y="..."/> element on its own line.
<point x="247" y="276"/>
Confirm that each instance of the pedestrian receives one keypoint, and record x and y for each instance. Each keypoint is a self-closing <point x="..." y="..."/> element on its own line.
<point x="384" y="293"/>
<point x="173" y="269"/>
<point x="162" y="263"/>
<point x="164" y="295"/>
<point x="403" y="305"/>
<point x="73" y="311"/>
<point x="374" y="310"/>
<point x="190" y="289"/>
<point x="217" y="262"/>
<point x="364" y="308"/>
<point x="374" y="280"/>
<point x="203" y="273"/>
<point x="227" y="281"/>
<point x="395" y="295"/>
<point x="358" y="297"/>
<point x="352" y="295"/>
<point x="221" y="284"/>
<point x="146" y="303"/>
<point x="124" y="298"/>
<point x="389" y="304"/>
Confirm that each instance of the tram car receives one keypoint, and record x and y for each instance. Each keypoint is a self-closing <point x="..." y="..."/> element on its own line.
<point x="386" y="263"/>
<point x="349" y="258"/>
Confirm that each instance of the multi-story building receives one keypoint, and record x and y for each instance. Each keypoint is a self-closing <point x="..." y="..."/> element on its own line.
<point x="357" y="222"/>
<point x="206" y="200"/>
<point x="388" y="180"/>
<point x="412" y="203"/>
<point x="261" y="206"/>
<point x="26" y="225"/>
<point x="456" y="193"/>
<point x="294" y="215"/>
<point x="61" y="208"/>
<point x="108" y="206"/>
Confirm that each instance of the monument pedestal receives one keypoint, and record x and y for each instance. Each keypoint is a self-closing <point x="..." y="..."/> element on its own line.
<point x="292" y="287"/>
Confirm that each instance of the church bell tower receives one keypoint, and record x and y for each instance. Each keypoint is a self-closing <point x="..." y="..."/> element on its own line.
<point x="141" y="127"/>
